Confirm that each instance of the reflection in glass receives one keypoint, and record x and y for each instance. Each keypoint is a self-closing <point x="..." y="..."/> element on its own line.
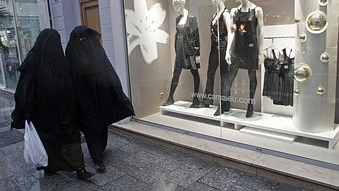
<point x="316" y="22"/>
<point x="302" y="73"/>
<point x="19" y="34"/>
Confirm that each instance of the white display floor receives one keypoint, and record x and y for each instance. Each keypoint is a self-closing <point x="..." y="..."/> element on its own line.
<point x="260" y="124"/>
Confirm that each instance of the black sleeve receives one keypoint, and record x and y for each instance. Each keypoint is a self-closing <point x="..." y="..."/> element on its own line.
<point x="25" y="103"/>
<point x="195" y="32"/>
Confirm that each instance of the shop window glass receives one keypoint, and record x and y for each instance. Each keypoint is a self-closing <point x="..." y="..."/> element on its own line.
<point x="19" y="34"/>
<point x="278" y="89"/>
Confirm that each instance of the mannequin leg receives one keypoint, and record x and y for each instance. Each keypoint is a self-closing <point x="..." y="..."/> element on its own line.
<point x="196" y="79"/>
<point x="253" y="86"/>
<point x="212" y="67"/>
<point x="224" y="105"/>
<point x="174" y="84"/>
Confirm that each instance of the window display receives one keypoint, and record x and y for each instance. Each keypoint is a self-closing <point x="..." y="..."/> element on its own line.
<point x="248" y="43"/>
<point x="220" y="27"/>
<point x="285" y="77"/>
<point x="314" y="79"/>
<point x="187" y="49"/>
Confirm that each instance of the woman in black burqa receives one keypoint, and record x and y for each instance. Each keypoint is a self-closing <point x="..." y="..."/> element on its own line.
<point x="45" y="95"/>
<point x="100" y="97"/>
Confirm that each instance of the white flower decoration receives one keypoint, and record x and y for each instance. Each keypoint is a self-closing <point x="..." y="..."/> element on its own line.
<point x="142" y="29"/>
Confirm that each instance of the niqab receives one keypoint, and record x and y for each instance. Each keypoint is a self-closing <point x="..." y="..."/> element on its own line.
<point x="45" y="91"/>
<point x="88" y="58"/>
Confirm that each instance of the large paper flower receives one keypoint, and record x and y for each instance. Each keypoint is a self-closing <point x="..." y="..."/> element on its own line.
<point x="142" y="29"/>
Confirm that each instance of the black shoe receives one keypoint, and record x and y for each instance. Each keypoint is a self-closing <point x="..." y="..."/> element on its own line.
<point x="249" y="112"/>
<point x="82" y="174"/>
<point x="195" y="103"/>
<point x="206" y="105"/>
<point x="48" y="172"/>
<point x="223" y="110"/>
<point x="218" y="112"/>
<point x="168" y="102"/>
<point x="100" y="167"/>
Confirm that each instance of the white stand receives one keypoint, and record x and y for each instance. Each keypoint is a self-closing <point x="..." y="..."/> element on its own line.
<point x="261" y="124"/>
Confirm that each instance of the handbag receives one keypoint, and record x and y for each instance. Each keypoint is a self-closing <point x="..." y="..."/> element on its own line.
<point x="189" y="44"/>
<point x="34" y="151"/>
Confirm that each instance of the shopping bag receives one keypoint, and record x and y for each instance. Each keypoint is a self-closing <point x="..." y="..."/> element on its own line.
<point x="34" y="151"/>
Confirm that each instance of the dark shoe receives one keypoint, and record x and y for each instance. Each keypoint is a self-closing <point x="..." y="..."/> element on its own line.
<point x="168" y="102"/>
<point x="195" y="103"/>
<point x="223" y="110"/>
<point x="206" y="103"/>
<point x="48" y="172"/>
<point x="82" y="174"/>
<point x="218" y="112"/>
<point x="249" y="112"/>
<point x="227" y="106"/>
<point x="100" y="167"/>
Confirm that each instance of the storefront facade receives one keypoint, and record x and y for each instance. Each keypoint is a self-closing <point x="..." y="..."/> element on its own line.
<point x="293" y="93"/>
<point x="295" y="96"/>
<point x="18" y="33"/>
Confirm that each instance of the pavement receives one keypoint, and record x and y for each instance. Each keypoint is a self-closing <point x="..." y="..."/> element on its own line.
<point x="132" y="163"/>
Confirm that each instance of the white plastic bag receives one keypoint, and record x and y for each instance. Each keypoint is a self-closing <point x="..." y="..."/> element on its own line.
<point x="34" y="151"/>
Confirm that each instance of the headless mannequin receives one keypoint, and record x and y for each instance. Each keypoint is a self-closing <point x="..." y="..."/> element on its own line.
<point x="179" y="6"/>
<point x="220" y="27"/>
<point x="237" y="33"/>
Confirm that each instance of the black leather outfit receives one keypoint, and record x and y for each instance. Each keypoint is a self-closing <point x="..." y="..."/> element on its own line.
<point x="219" y="35"/>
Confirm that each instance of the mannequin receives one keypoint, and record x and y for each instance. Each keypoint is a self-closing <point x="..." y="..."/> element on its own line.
<point x="247" y="45"/>
<point x="220" y="27"/>
<point x="187" y="49"/>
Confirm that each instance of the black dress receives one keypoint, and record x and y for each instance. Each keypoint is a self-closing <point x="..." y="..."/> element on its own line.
<point x="246" y="43"/>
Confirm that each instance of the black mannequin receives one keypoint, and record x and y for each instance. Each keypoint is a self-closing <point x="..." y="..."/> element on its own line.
<point x="247" y="45"/>
<point x="220" y="27"/>
<point x="187" y="54"/>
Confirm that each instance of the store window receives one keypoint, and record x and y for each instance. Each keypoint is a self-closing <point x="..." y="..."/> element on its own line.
<point x="276" y="79"/>
<point x="19" y="33"/>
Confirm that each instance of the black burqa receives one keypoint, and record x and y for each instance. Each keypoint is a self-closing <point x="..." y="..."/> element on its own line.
<point x="100" y="97"/>
<point x="45" y="95"/>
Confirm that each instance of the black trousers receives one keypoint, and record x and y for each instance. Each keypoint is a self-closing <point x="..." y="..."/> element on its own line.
<point x="96" y="142"/>
<point x="68" y="157"/>
<point x="90" y="118"/>
<point x="213" y="63"/>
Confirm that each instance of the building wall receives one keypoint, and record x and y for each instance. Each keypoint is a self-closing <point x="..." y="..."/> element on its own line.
<point x="65" y="15"/>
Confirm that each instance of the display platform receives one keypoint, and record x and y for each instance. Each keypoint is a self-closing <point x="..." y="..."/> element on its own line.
<point x="260" y="124"/>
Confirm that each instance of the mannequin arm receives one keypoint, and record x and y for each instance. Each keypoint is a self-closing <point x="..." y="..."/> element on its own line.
<point x="229" y="24"/>
<point x="260" y="33"/>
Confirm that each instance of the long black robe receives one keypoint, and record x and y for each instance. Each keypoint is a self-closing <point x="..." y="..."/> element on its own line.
<point x="45" y="95"/>
<point x="100" y="97"/>
<point x="45" y="92"/>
